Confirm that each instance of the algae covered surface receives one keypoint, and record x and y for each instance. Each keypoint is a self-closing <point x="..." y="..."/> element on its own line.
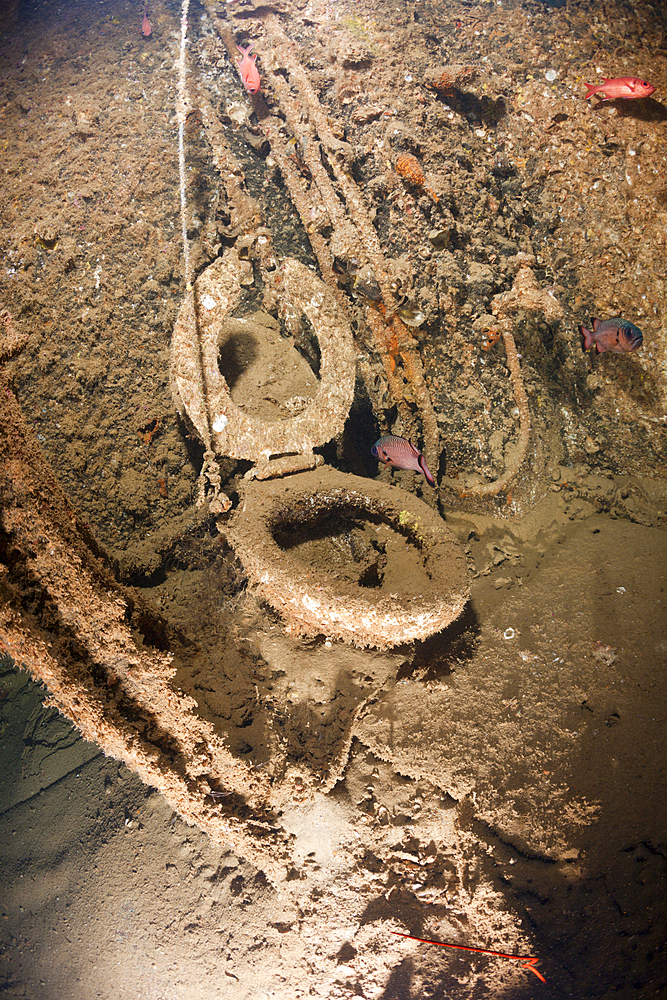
<point x="499" y="785"/>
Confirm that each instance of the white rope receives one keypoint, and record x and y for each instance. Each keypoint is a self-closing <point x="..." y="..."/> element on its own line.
<point x="180" y="114"/>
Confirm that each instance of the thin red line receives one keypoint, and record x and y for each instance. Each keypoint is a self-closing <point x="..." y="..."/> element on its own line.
<point x="526" y="960"/>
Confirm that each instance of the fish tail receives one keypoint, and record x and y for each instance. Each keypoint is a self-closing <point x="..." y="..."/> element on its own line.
<point x="589" y="339"/>
<point x="592" y="89"/>
<point x="425" y="469"/>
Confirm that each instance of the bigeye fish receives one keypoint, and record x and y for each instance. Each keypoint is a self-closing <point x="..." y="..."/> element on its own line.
<point x="627" y="87"/>
<point x="399" y="453"/>
<point x="616" y="335"/>
<point x="146" y="26"/>
<point x="248" y="70"/>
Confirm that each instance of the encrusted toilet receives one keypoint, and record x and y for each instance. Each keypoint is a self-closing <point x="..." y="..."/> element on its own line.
<point x="273" y="519"/>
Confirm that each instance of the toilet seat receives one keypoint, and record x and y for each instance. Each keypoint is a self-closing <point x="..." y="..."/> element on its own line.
<point x="201" y="392"/>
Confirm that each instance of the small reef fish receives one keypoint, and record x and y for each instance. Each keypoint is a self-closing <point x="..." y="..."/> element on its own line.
<point x="616" y="335"/>
<point x="146" y="27"/>
<point x="399" y="453"/>
<point x="625" y="86"/>
<point x="248" y="70"/>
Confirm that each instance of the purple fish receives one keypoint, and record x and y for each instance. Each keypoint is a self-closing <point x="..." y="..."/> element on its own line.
<point x="399" y="453"/>
<point x="616" y="335"/>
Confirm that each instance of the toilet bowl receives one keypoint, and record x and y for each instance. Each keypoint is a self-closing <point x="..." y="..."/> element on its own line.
<point x="401" y="574"/>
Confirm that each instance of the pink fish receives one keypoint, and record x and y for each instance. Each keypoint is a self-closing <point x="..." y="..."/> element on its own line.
<point x="616" y="335"/>
<point x="625" y="86"/>
<point x="146" y="27"/>
<point x="399" y="453"/>
<point x="248" y="70"/>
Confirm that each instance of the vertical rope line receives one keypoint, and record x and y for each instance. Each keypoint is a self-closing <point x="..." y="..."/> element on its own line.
<point x="180" y="114"/>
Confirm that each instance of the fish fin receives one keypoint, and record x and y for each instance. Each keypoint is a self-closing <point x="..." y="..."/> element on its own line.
<point x="425" y="469"/>
<point x="592" y="89"/>
<point x="596" y="323"/>
<point x="415" y="450"/>
<point x="589" y="340"/>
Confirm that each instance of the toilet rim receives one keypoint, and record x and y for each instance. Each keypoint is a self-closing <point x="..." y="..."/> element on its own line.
<point x="201" y="391"/>
<point x="319" y="604"/>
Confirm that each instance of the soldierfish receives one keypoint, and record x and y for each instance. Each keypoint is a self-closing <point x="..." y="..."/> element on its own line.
<point x="146" y="27"/>
<point x="248" y="70"/>
<point x="616" y="335"/>
<point x="625" y="86"/>
<point x="399" y="453"/>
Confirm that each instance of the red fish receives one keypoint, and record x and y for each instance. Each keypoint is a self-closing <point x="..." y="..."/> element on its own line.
<point x="146" y="27"/>
<point x="616" y="335"/>
<point x="625" y="86"/>
<point x="248" y="70"/>
<point x="399" y="453"/>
